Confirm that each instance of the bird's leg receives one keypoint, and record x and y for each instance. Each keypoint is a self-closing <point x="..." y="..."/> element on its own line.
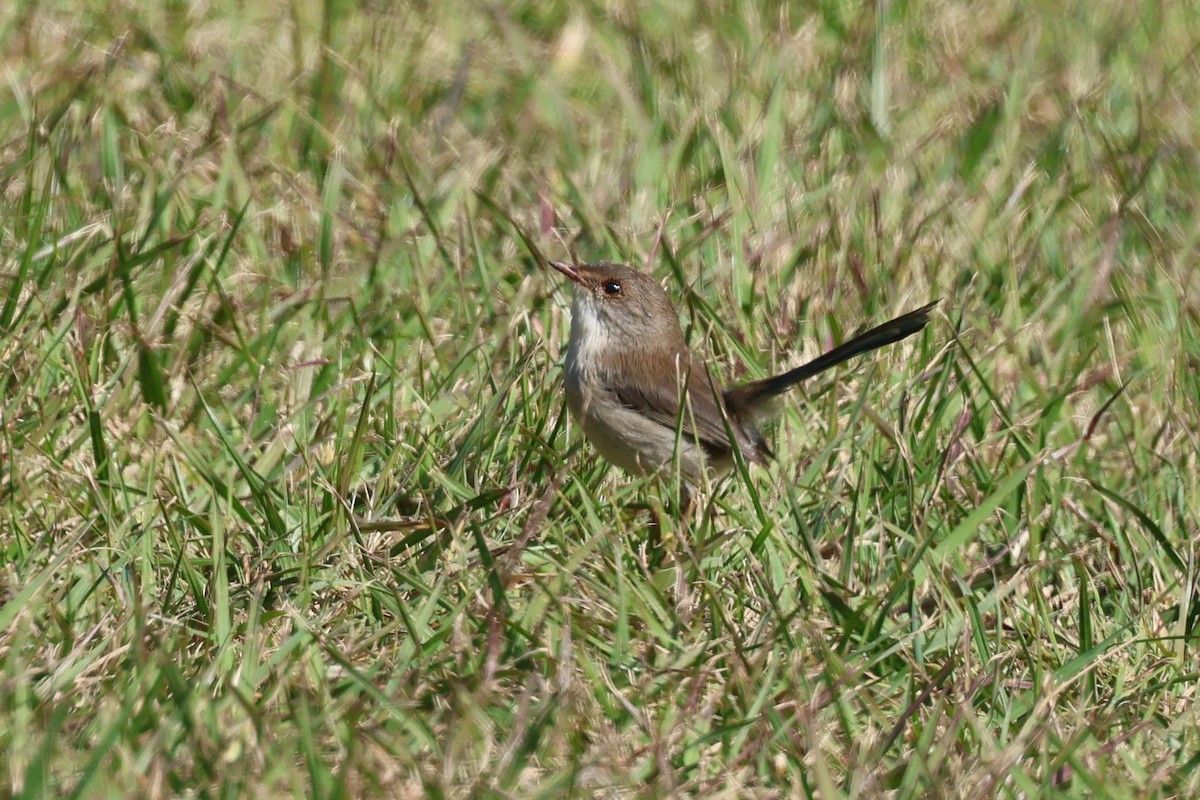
<point x="656" y="538"/>
<point x="685" y="504"/>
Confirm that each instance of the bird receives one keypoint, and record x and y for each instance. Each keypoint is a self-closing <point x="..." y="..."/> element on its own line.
<point x="647" y="404"/>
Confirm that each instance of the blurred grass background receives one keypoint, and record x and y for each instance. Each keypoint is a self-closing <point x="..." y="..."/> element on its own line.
<point x="289" y="503"/>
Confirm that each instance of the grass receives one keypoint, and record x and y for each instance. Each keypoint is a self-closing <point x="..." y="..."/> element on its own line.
<point x="289" y="501"/>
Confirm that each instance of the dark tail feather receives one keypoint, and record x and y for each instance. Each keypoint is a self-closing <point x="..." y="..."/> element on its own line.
<point x="889" y="332"/>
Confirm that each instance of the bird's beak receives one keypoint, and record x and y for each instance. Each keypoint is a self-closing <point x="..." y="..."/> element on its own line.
<point x="570" y="270"/>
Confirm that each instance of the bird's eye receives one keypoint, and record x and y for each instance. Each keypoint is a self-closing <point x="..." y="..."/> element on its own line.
<point x="612" y="288"/>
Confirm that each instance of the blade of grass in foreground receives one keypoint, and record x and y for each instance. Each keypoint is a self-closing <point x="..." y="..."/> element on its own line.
<point x="970" y="524"/>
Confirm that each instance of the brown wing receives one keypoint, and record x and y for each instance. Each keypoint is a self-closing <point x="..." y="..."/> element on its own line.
<point x="702" y="421"/>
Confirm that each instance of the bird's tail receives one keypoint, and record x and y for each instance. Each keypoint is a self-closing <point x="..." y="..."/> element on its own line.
<point x="749" y="395"/>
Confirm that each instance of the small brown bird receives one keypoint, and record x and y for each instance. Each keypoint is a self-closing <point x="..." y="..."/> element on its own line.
<point x="632" y="383"/>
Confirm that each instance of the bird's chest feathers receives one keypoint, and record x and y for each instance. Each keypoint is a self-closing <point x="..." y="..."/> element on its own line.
<point x="589" y="336"/>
